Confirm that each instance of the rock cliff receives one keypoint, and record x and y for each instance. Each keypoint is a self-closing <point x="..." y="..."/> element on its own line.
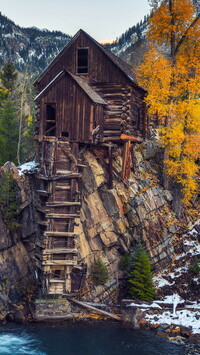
<point x="112" y="222"/>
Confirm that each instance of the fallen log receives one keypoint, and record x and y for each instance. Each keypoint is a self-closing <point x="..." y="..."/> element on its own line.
<point x="94" y="309"/>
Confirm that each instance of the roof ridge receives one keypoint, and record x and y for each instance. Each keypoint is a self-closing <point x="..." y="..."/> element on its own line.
<point x="120" y="63"/>
<point x="89" y="91"/>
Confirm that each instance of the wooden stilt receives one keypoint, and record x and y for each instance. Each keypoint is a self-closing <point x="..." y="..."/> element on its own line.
<point x="110" y="168"/>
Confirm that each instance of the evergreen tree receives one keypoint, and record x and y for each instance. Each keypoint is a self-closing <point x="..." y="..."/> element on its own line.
<point x="9" y="200"/>
<point x="99" y="273"/>
<point x="8" y="76"/>
<point x="8" y="132"/>
<point x="141" y="277"/>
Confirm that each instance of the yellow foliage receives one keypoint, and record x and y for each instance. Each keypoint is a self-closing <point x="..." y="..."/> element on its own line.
<point x="173" y="86"/>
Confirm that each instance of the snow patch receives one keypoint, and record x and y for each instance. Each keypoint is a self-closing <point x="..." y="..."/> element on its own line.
<point x="31" y="166"/>
<point x="161" y="282"/>
<point x="144" y="305"/>
<point x="184" y="317"/>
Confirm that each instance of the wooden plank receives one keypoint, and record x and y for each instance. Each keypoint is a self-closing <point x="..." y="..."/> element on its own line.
<point x="57" y="281"/>
<point x="60" y="251"/>
<point x="61" y="216"/>
<point x="60" y="204"/>
<point x="63" y="172"/>
<point x="59" y="177"/>
<point x="67" y="176"/>
<point x="59" y="262"/>
<point x="60" y="234"/>
<point x="62" y="188"/>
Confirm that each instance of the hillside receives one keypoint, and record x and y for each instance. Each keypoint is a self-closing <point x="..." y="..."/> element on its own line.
<point x="30" y="49"/>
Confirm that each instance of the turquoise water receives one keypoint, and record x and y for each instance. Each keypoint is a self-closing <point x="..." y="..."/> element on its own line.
<point x="83" y="339"/>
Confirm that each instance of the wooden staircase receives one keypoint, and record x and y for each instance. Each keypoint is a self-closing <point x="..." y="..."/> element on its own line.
<point x="60" y="179"/>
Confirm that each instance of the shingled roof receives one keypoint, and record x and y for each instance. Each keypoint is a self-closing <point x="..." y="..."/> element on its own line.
<point x="121" y="64"/>
<point x="81" y="83"/>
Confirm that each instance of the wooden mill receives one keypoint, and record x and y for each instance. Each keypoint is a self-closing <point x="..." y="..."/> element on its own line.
<point x="86" y="96"/>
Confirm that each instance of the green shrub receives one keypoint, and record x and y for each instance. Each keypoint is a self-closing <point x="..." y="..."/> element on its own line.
<point x="141" y="276"/>
<point x="195" y="267"/>
<point x="99" y="273"/>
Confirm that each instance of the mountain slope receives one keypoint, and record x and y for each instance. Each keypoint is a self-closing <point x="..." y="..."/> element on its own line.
<point x="32" y="49"/>
<point x="29" y="49"/>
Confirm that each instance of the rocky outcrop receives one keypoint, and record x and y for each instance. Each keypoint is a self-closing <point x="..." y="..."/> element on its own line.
<point x="113" y="220"/>
<point x="17" y="277"/>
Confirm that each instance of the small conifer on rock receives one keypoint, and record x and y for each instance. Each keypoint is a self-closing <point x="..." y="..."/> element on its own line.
<point x="99" y="273"/>
<point x="141" y="276"/>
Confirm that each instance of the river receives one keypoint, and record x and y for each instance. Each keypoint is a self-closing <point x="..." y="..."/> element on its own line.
<point x="84" y="339"/>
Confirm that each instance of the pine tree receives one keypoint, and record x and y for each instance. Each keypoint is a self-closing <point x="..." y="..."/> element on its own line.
<point x="141" y="276"/>
<point x="8" y="76"/>
<point x="9" y="200"/>
<point x="8" y="132"/>
<point x="99" y="272"/>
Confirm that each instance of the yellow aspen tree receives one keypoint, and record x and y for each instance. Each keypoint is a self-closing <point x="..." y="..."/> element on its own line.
<point x="171" y="74"/>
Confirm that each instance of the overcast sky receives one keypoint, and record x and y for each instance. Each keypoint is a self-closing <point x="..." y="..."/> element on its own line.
<point x="102" y="19"/>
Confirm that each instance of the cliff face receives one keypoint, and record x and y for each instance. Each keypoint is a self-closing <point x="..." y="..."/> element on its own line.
<point x="17" y="276"/>
<point x="112" y="221"/>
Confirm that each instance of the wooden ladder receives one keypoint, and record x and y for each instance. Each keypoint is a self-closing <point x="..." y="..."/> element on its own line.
<point x="62" y="213"/>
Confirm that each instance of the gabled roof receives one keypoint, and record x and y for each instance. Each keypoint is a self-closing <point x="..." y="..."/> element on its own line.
<point x="81" y="83"/>
<point x="121" y="64"/>
<point x="88" y="90"/>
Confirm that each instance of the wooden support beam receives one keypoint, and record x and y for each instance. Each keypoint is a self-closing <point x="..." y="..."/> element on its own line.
<point x="62" y="188"/>
<point x="110" y="168"/>
<point x="59" y="234"/>
<point x="61" y="216"/>
<point x="61" y="204"/>
<point x="59" y="262"/>
<point x="126" y="165"/>
<point x="59" y="177"/>
<point x="125" y="137"/>
<point x="59" y="251"/>
<point x="94" y="309"/>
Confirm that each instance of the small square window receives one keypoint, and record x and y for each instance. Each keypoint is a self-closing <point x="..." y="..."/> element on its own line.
<point x="82" y="61"/>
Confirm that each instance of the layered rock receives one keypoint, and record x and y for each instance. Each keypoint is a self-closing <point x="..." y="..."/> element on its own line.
<point x="17" y="277"/>
<point x="113" y="220"/>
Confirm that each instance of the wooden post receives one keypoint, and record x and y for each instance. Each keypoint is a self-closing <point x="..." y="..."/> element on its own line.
<point x="126" y="166"/>
<point x="110" y="168"/>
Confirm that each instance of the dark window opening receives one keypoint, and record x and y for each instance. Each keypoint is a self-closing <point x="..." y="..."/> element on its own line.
<point x="82" y="61"/>
<point x="50" y="120"/>
<point x="65" y="134"/>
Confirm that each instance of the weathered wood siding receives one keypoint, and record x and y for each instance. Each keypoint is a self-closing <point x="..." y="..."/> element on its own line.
<point x="76" y="114"/>
<point x="101" y="68"/>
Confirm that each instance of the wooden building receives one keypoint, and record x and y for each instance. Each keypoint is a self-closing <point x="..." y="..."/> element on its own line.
<point x="86" y="95"/>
